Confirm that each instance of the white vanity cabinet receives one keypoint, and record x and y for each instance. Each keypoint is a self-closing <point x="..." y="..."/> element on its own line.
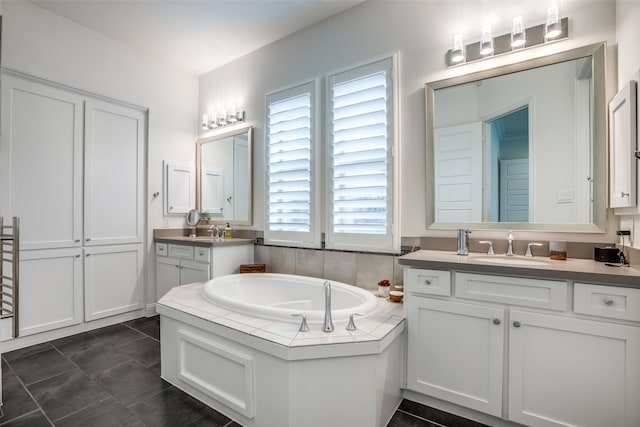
<point x="519" y="349"/>
<point x="179" y="264"/>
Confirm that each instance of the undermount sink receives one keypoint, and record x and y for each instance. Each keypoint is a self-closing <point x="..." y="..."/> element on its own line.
<point x="517" y="261"/>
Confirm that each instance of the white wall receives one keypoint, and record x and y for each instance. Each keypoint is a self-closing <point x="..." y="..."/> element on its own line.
<point x="421" y="32"/>
<point x="45" y="45"/>
<point x="627" y="35"/>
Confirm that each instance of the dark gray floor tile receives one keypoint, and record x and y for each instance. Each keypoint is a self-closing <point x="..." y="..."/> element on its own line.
<point x="436" y="415"/>
<point x="75" y="342"/>
<point x="156" y="368"/>
<point x="173" y="407"/>
<point x="130" y="382"/>
<point x="16" y="354"/>
<point x="34" y="419"/>
<point x="147" y="325"/>
<point x="402" y="419"/>
<point x="116" y="334"/>
<point x="41" y="365"/>
<point x="233" y="424"/>
<point x="145" y="350"/>
<point x="107" y="413"/>
<point x="6" y="369"/>
<point x="16" y="399"/>
<point x="66" y="393"/>
<point x="97" y="358"/>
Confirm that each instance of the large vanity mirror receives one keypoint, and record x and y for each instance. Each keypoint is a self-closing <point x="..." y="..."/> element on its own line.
<point x="224" y="176"/>
<point x="521" y="146"/>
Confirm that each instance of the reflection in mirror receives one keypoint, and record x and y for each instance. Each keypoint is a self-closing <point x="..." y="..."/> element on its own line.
<point x="223" y="178"/>
<point x="521" y="146"/>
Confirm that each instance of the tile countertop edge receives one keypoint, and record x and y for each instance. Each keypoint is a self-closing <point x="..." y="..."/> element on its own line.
<point x="577" y="270"/>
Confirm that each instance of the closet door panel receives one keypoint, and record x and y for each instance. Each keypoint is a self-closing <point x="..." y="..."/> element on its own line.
<point x="41" y="162"/>
<point x="114" y="149"/>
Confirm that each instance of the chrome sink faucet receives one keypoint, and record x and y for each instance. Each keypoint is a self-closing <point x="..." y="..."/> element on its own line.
<point x="327" y="324"/>
<point x="510" y="244"/>
<point x="463" y="241"/>
<point x="214" y="231"/>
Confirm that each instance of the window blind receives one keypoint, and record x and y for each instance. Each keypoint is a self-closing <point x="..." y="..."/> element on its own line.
<point x="289" y="161"/>
<point x="360" y="154"/>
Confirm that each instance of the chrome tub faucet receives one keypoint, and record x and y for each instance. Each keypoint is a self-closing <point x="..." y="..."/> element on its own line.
<point x="327" y="324"/>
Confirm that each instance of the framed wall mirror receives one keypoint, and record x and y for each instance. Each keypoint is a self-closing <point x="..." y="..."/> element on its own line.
<point x="521" y="146"/>
<point x="224" y="164"/>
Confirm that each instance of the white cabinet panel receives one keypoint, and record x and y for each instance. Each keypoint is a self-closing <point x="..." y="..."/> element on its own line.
<point x="455" y="352"/>
<point x="622" y="144"/>
<point x="180" y="181"/>
<point x="41" y="162"/>
<point x="167" y="275"/>
<point x="50" y="289"/>
<point x="113" y="280"/>
<point x="567" y="371"/>
<point x="114" y="162"/>
<point x="191" y="272"/>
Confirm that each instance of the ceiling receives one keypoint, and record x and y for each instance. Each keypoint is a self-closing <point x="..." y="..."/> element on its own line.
<point x="196" y="35"/>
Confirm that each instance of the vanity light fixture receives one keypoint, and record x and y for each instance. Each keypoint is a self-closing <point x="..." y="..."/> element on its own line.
<point x="217" y="120"/>
<point x="518" y="38"/>
<point x="554" y="27"/>
<point x="457" y="53"/>
<point x="486" y="44"/>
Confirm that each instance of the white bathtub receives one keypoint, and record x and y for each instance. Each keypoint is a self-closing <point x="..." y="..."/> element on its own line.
<point x="278" y="296"/>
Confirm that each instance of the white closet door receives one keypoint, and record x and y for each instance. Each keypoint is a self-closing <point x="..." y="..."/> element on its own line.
<point x="41" y="162"/>
<point x="113" y="280"/>
<point x="114" y="165"/>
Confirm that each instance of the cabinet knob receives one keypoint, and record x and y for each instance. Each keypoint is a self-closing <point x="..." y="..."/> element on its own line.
<point x="608" y="301"/>
<point x="623" y="194"/>
<point x="496" y="321"/>
<point x="77" y="240"/>
<point x="87" y="239"/>
<point x="517" y="324"/>
<point x="427" y="282"/>
<point x="88" y="255"/>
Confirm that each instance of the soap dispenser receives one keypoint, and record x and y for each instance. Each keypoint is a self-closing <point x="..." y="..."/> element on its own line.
<point x="228" y="232"/>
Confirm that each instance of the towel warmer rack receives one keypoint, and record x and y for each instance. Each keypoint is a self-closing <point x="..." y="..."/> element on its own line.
<point x="9" y="271"/>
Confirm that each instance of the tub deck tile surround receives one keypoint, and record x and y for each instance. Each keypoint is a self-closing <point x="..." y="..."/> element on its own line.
<point x="188" y="299"/>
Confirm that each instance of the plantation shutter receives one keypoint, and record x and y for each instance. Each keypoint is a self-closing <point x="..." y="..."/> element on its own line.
<point x="360" y="163"/>
<point x="290" y="167"/>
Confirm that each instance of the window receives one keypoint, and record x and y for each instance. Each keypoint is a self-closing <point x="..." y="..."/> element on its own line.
<point x="291" y="165"/>
<point x="358" y="179"/>
<point x="360" y="159"/>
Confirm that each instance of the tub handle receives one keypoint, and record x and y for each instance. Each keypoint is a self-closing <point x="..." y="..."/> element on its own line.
<point x="351" y="326"/>
<point x="303" y="325"/>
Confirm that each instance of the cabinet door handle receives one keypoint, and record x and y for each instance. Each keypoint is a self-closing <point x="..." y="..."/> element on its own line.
<point x="77" y="240"/>
<point x="88" y="255"/>
<point x="623" y="194"/>
<point x="87" y="240"/>
<point x="427" y="282"/>
<point x="608" y="301"/>
<point x="496" y="321"/>
<point x="517" y="324"/>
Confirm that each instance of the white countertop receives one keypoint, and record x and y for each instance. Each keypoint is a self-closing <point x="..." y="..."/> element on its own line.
<point x="583" y="270"/>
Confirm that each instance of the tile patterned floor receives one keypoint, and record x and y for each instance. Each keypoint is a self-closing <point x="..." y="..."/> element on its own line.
<point x="111" y="377"/>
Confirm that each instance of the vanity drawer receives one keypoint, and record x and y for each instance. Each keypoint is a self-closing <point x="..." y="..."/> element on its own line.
<point x="181" y="251"/>
<point x="201" y="254"/>
<point x="432" y="282"/>
<point x="161" y="249"/>
<point x="550" y="294"/>
<point x="607" y="301"/>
